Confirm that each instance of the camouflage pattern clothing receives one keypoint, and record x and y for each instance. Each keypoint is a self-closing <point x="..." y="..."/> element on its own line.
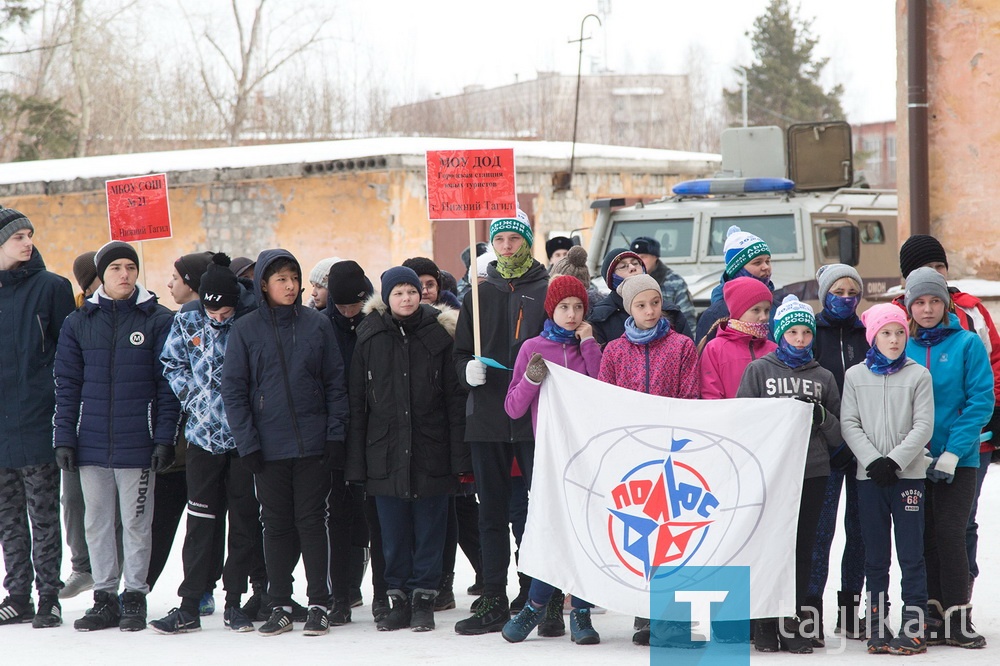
<point x="31" y="494"/>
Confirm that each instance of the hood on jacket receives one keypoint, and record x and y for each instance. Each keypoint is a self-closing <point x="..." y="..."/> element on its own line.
<point x="141" y="297"/>
<point x="32" y="266"/>
<point x="445" y="315"/>
<point x="265" y="259"/>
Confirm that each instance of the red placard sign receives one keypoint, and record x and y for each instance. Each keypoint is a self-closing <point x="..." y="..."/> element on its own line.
<point x="471" y="184"/>
<point x="138" y="208"/>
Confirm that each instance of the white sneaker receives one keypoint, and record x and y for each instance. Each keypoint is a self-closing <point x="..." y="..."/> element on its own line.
<point x="78" y="581"/>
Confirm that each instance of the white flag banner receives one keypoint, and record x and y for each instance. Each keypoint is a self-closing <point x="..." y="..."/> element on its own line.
<point x="628" y="489"/>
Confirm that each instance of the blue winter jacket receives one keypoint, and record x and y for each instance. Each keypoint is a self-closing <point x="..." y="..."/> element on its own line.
<point x="963" y="391"/>
<point x="113" y="403"/>
<point x="33" y="305"/>
<point x="284" y="408"/>
<point x="192" y="362"/>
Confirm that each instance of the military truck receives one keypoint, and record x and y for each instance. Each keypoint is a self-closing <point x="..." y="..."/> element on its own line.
<point x="793" y="191"/>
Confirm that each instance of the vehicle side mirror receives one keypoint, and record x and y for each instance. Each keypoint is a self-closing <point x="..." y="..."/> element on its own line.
<point x="850" y="245"/>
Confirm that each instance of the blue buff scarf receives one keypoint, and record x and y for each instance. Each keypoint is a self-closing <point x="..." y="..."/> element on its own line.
<point x="928" y="337"/>
<point x="791" y="356"/>
<point x="745" y="273"/>
<point x="840" y="308"/>
<point x="878" y="363"/>
<point x="640" y="336"/>
<point x="556" y="333"/>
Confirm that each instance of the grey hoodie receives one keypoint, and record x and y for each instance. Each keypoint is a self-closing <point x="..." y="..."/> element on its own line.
<point x="768" y="377"/>
<point x="889" y="415"/>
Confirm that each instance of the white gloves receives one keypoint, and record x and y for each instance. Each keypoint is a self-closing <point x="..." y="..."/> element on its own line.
<point x="475" y="373"/>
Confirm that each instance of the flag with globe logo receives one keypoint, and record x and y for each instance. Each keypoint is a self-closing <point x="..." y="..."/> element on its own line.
<point x="629" y="489"/>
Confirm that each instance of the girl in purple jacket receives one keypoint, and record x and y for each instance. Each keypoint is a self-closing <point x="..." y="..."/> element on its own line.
<point x="566" y="340"/>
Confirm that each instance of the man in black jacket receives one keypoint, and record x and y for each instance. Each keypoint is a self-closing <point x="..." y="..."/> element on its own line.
<point x="286" y="403"/>
<point x="512" y="310"/>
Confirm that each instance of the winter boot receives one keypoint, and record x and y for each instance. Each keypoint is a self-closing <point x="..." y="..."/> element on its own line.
<point x="581" y="629"/>
<point x="959" y="629"/>
<point x="641" y="635"/>
<point x="521" y="625"/>
<point x="765" y="635"/>
<point x="380" y="608"/>
<point x="49" y="612"/>
<point x="673" y="634"/>
<point x="133" y="611"/>
<point x="78" y="581"/>
<point x="934" y="634"/>
<point x="911" y="634"/>
<point x="849" y="624"/>
<point x="105" y="613"/>
<point x="517" y="603"/>
<point x="256" y="602"/>
<point x="422" y="610"/>
<point x="317" y="621"/>
<point x="279" y="622"/>
<point x="878" y="630"/>
<point x="445" y="599"/>
<point x="16" y="609"/>
<point x="476" y="589"/>
<point x="491" y="614"/>
<point x="340" y="614"/>
<point x="399" y="616"/>
<point x="791" y="637"/>
<point x="553" y="625"/>
<point x="812" y="622"/>
<point x="177" y="621"/>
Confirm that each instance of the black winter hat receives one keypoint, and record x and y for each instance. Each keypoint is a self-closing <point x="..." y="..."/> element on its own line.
<point x="12" y="221"/>
<point x="241" y="265"/>
<point x="219" y="286"/>
<point x="920" y="250"/>
<point x="113" y="251"/>
<point x="398" y="275"/>
<point x="191" y="267"/>
<point x="557" y="243"/>
<point x="481" y="249"/>
<point x="645" y="245"/>
<point x="347" y="283"/>
<point x="424" y="266"/>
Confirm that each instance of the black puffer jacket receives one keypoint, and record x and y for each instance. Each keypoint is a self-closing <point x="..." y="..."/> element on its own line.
<point x="407" y="407"/>
<point x="608" y="319"/>
<point x="284" y="407"/>
<point x="512" y="312"/>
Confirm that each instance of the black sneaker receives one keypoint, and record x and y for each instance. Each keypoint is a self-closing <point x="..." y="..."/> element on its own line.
<point x="105" y="613"/>
<point x="299" y="612"/>
<point x="422" y="610"/>
<point x="380" y="608"/>
<point x="234" y="618"/>
<point x="399" y="616"/>
<point x="279" y="622"/>
<point x="177" y="621"/>
<point x="340" y="614"/>
<point x="15" y="611"/>
<point x="49" y="612"/>
<point x="133" y="611"/>
<point x="491" y="615"/>
<point x="553" y="625"/>
<point x="317" y="622"/>
<point x="765" y="635"/>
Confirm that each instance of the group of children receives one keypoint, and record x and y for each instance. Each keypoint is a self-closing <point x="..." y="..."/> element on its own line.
<point x="287" y="406"/>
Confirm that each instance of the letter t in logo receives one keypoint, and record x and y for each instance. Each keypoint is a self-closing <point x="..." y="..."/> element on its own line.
<point x="701" y="607"/>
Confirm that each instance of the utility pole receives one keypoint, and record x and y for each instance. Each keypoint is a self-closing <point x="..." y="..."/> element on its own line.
<point x="743" y="83"/>
<point x="567" y="182"/>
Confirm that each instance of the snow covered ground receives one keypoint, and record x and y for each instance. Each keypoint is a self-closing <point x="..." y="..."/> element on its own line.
<point x="360" y="643"/>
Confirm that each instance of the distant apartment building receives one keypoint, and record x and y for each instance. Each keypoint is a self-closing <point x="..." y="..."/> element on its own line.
<point x="875" y="153"/>
<point x="643" y="110"/>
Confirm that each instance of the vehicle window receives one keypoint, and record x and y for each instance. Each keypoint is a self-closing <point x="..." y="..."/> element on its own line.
<point x="674" y="236"/>
<point x="871" y="232"/>
<point x="778" y="231"/>
<point x="829" y="242"/>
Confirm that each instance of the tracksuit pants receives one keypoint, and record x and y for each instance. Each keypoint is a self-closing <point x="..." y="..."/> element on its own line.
<point x="30" y="496"/>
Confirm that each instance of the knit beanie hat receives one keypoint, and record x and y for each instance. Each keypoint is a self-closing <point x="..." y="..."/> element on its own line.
<point x="219" y="286"/>
<point x="645" y="245"/>
<point x="518" y="224"/>
<point x="84" y="270"/>
<point x="191" y="267"/>
<point x="740" y="249"/>
<point x="557" y="243"/>
<point x="876" y="317"/>
<point x="12" y="221"/>
<point x="613" y="258"/>
<point x="398" y="275"/>
<point x="320" y="274"/>
<point x="113" y="251"/>
<point x="920" y="250"/>
<point x="743" y="293"/>
<point x="424" y="266"/>
<point x="793" y="312"/>
<point x="635" y="285"/>
<point x="575" y="264"/>
<point x="828" y="275"/>
<point x="348" y="284"/>
<point x="563" y="286"/>
<point x="241" y="265"/>
<point x="925" y="281"/>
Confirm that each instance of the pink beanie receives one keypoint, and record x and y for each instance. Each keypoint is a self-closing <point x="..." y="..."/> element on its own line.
<point x="876" y="317"/>
<point x="743" y="293"/>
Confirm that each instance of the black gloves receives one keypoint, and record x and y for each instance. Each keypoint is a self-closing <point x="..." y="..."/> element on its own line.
<point x="883" y="472"/>
<point x="254" y="461"/>
<point x="66" y="458"/>
<point x="163" y="457"/>
<point x="819" y="411"/>
<point x="332" y="454"/>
